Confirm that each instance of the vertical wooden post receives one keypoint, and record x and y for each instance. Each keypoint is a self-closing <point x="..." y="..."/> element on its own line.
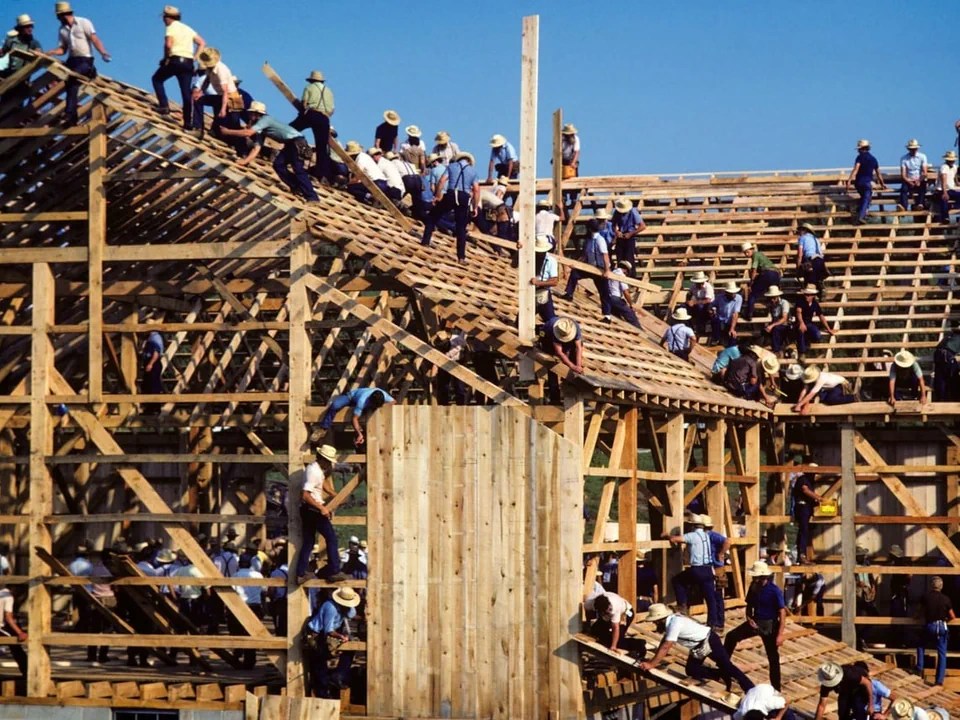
<point x="41" y="484"/>
<point x="751" y="463"/>
<point x="556" y="194"/>
<point x="627" y="509"/>
<point x="97" y="232"/>
<point x="301" y="264"/>
<point x="716" y="465"/>
<point x="129" y="359"/>
<point x="675" y="467"/>
<point x="953" y="490"/>
<point x="526" y="295"/>
<point x="848" y="534"/>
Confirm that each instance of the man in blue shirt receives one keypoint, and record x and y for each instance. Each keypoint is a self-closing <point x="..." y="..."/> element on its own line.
<point x="811" y="268"/>
<point x="700" y="572"/>
<point x="720" y="546"/>
<point x="865" y="167"/>
<point x="458" y="190"/>
<point x="295" y="149"/>
<point x="327" y="629"/>
<point x="724" y="357"/>
<point x="503" y="159"/>
<point x="597" y="254"/>
<point x="913" y="177"/>
<point x="627" y="224"/>
<point x="725" y="314"/>
<point x="766" y="617"/>
<point x="363" y="400"/>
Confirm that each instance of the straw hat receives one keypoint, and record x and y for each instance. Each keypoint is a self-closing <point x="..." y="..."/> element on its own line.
<point x="498" y="141"/>
<point x="413" y="131"/>
<point x="912" y="144"/>
<point x="829" y="674"/>
<point x="565" y="329"/>
<point x="391" y="117"/>
<point x="698" y="277"/>
<point x="759" y="569"/>
<point x="770" y="364"/>
<point x="744" y="247"/>
<point x="656" y="612"/>
<point x="258" y="107"/>
<point x="863" y="143"/>
<point x="623" y="205"/>
<point x="901" y="709"/>
<point x="811" y="373"/>
<point x="704" y="520"/>
<point x="316" y="76"/>
<point x="731" y="287"/>
<point x="166" y="556"/>
<point x="354" y="540"/>
<point x="353" y="148"/>
<point x="171" y="11"/>
<point x="681" y="314"/>
<point x="363" y="544"/>
<point x="141" y="546"/>
<point x="503" y="180"/>
<point x="569" y="129"/>
<point x="24" y="21"/>
<point x="896" y="551"/>
<point x="806" y="226"/>
<point x="442" y="137"/>
<point x="794" y="372"/>
<point x="62" y="8"/>
<point x="12" y="33"/>
<point x="626" y="265"/>
<point x="938" y="713"/>
<point x="542" y="244"/>
<point x="904" y="359"/>
<point x="465" y="156"/>
<point x="208" y="57"/>
<point x="810" y="290"/>
<point x="327" y="452"/>
<point x="374" y="151"/>
<point x="346" y="596"/>
<point x="601" y="214"/>
<point x="773" y="291"/>
<point x="949" y="155"/>
<point x="432" y="158"/>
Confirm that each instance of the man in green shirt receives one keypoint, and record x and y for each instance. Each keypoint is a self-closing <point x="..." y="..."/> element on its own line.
<point x="763" y="274"/>
<point x="22" y="40"/>
<point x="316" y="109"/>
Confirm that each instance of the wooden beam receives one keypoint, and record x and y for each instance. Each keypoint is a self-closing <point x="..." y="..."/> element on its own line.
<point x="751" y="491"/>
<point x="556" y="194"/>
<point x="627" y="507"/>
<point x="526" y="199"/>
<point x="43" y="131"/>
<point x="44" y="217"/>
<point x="97" y="239"/>
<point x="673" y="518"/>
<point x="848" y="534"/>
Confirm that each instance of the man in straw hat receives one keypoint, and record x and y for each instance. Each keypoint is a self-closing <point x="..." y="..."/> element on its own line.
<point x="560" y="337"/>
<point x="20" y="38"/>
<point x="947" y="185"/>
<point x="495" y="211"/>
<point x="77" y="39"/>
<point x="327" y="629"/>
<point x="763" y="276"/>
<point x="725" y="314"/>
<point x="778" y="329"/>
<point x="627" y="224"/>
<point x="805" y="498"/>
<point x="865" y="168"/>
<point x="854" y="690"/>
<point x="823" y="386"/>
<point x="946" y="382"/>
<point x="315" y="108"/>
<point x="459" y="191"/>
<point x="679" y="338"/>
<point x="700" y="640"/>
<point x="445" y="147"/>
<point x="936" y="611"/>
<point x="181" y="45"/>
<point x="385" y="134"/>
<point x="597" y="254"/>
<point x="811" y="267"/>
<point x="503" y="159"/>
<point x="808" y="312"/>
<point x="913" y="177"/>
<point x="411" y="149"/>
<point x="791" y="382"/>
<point x="367" y="166"/>
<point x="906" y="379"/>
<point x="546" y="278"/>
<point x="288" y="163"/>
<point x="700" y="299"/>
<point x="720" y="544"/>
<point x="395" y="187"/>
<point x="224" y="100"/>
<point x="318" y="480"/>
<point x="904" y="709"/>
<point x="570" y="151"/>
<point x="620" y="304"/>
<point x="700" y="573"/>
<point x="766" y="616"/>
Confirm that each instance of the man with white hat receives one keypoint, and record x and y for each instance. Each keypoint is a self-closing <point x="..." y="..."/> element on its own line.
<point x="369" y="167"/>
<point x="766" y="616"/>
<point x="865" y="168"/>
<point x="725" y="314"/>
<point x="946" y="381"/>
<point x="459" y="191"/>
<point x="445" y="147"/>
<point x="411" y="181"/>
<point x="20" y="38"/>
<point x="353" y="560"/>
<point x="177" y="62"/>
<point x="327" y="629"/>
<point x="627" y="224"/>
<point x="597" y="254"/>
<point x="823" y="386"/>
<point x="503" y="159"/>
<point x="318" y="480"/>
<point x="412" y="149"/>
<point x="494" y="208"/>
<point x="906" y="379"/>
<point x="679" y="338"/>
<point x="779" y="326"/>
<point x="947" y="185"/>
<point x="854" y="690"/>
<point x="763" y="276"/>
<point x="385" y="135"/>
<point x="913" y="177"/>
<point x="700" y="640"/>
<point x="288" y="163"/>
<point x="315" y="108"/>
<point x="77" y="38"/>
<point x="570" y="151"/>
<point x="700" y="572"/>
<point x="791" y="382"/>
<point x="546" y="278"/>
<point x="700" y="299"/>
<point x="808" y="314"/>
<point x="620" y="304"/>
<point x="561" y="337"/>
<point x="811" y="266"/>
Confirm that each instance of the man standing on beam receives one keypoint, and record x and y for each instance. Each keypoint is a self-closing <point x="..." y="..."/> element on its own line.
<point x="315" y="516"/>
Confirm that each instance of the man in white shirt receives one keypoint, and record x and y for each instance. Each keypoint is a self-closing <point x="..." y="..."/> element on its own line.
<point x="826" y="387"/>
<point x="620" y="304"/>
<point x="395" y="188"/>
<point x="947" y="185"/>
<point x="700" y="640"/>
<point x="316" y="516"/>
<point x="368" y="166"/>
<point x="10" y="628"/>
<point x="411" y="181"/>
<point x="700" y="299"/>
<point x="77" y="38"/>
<point x="177" y="62"/>
<point x="762" y="698"/>
<point x="913" y="177"/>
<point x="614" y="615"/>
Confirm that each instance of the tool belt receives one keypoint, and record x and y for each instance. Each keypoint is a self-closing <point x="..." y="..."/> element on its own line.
<point x="702" y="650"/>
<point x="766" y="628"/>
<point x="304" y="151"/>
<point x="569" y="171"/>
<point x="234" y="102"/>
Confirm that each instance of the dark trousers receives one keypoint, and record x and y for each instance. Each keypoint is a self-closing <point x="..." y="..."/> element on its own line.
<point x="459" y="202"/>
<point x="278" y="608"/>
<point x="805" y="339"/>
<point x="313" y="522"/>
<point x="720" y="331"/>
<point x="945" y="385"/>
<point x="627" y="250"/>
<point x="192" y="610"/>
<point x="545" y="310"/>
<point x="835" y="396"/>
<point x="89" y="620"/>
<point x="603" y="288"/>
<point x="325" y="680"/>
<point x="248" y="657"/>
<point x="866" y="196"/>
<point x="814" y="272"/>
<point x="413" y="184"/>
<point x="81" y="66"/>
<point x="289" y="168"/>
<point x="502" y="168"/>
<point x="762" y="283"/>
<point x="320" y="124"/>
<point x="725" y="671"/>
<point x="214" y="613"/>
<point x="743" y="632"/>
<point x="703" y="577"/>
<point x="450" y="390"/>
<point x="802" y="512"/>
<point x="852" y="704"/>
<point x="181" y="69"/>
<point x="701" y="316"/>
<point x="17" y="652"/>
<point x="919" y="193"/>
<point x="620" y="309"/>
<point x="908" y="389"/>
<point x="953" y="195"/>
<point x="19" y="94"/>
<point x="778" y="337"/>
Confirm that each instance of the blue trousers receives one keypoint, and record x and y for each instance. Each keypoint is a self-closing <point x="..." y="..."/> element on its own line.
<point x="725" y="671"/>
<point x="701" y="316"/>
<point x="336" y="405"/>
<point x="760" y="285"/>
<point x="934" y="633"/>
<point x="720" y="331"/>
<point x="320" y="124"/>
<point x="701" y="575"/>
<point x="835" y="396"/>
<point x="804" y="339"/>
<point x="627" y="250"/>
<point x="546" y="311"/>
<point x="603" y="289"/>
<point x="778" y="337"/>
<point x="620" y="309"/>
<point x="802" y="512"/>
<point x="954" y="195"/>
<point x="289" y="168"/>
<point x="82" y="66"/>
<point x="459" y="202"/>
<point x="919" y="193"/>
<point x="866" y="197"/>
<point x="181" y="69"/>
<point x="313" y="522"/>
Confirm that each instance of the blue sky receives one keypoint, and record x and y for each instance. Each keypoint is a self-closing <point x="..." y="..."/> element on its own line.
<point x="654" y="87"/>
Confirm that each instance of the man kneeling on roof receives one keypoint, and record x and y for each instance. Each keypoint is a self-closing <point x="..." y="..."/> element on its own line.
<point x="560" y="336"/>
<point x="700" y="640"/>
<point x="614" y="615"/>
<point x="827" y="387"/>
<point x="906" y="379"/>
<point x="853" y="687"/>
<point x="295" y="149"/>
<point x="747" y="378"/>
<point x="763" y="702"/>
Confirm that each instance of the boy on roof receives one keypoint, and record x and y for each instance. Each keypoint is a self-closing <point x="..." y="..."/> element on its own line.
<point x="177" y="62"/>
<point x="627" y="224"/>
<point x="807" y="311"/>
<point x="947" y="185"/>
<point x="811" y="268"/>
<point x="700" y="299"/>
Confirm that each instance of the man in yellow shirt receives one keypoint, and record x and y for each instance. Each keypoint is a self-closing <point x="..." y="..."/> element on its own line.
<point x="180" y="47"/>
<point x="316" y="109"/>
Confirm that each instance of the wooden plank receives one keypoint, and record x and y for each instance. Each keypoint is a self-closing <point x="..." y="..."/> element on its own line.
<point x="848" y="533"/>
<point x="96" y="238"/>
<point x="526" y="198"/>
<point x="556" y="192"/>
<point x="627" y="515"/>
<point x="43" y="131"/>
<point x="43" y="217"/>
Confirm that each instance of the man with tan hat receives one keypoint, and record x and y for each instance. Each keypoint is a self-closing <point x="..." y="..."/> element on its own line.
<point x="77" y="38"/>
<point x="854" y="690"/>
<point x="445" y="147"/>
<point x="327" y="629"/>
<point x="385" y="135"/>
<point x="627" y="224"/>
<point x="20" y="38"/>
<point x="177" y="62"/>
<point x="620" y="303"/>
<point x="808" y="313"/>
<point x="495" y="217"/>
<point x="778" y="329"/>
<point x="725" y="314"/>
<point x="561" y="337"/>
<point x="315" y="108"/>
<point x="570" y="151"/>
<point x="503" y="159"/>
<point x="906" y="379"/>
<point x="947" y="185"/>
<point x="318" y="483"/>
<point x="679" y="338"/>
<point x="826" y="387"/>
<point x="913" y="177"/>
<point x="811" y="267"/>
<point x="394" y="188"/>
<point x="224" y="98"/>
<point x="763" y="276"/>
<point x="459" y="191"/>
<point x="700" y="299"/>
<point x="412" y="150"/>
<point x="546" y="278"/>
<point x="766" y="616"/>
<point x="865" y="168"/>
